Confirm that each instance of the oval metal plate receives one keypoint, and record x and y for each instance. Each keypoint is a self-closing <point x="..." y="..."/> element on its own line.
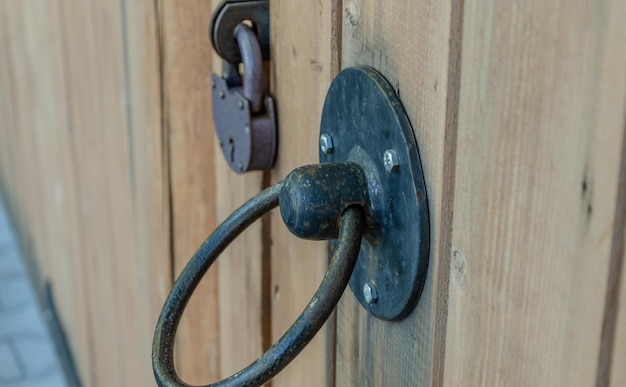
<point x="364" y="116"/>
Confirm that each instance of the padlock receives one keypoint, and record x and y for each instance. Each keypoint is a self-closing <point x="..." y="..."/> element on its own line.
<point x="243" y="111"/>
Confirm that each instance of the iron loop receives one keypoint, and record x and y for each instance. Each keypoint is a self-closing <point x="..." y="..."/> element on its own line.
<point x="352" y="224"/>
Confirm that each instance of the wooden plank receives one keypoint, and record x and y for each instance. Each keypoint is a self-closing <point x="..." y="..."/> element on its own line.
<point x="613" y="351"/>
<point x="541" y="114"/>
<point x="88" y="173"/>
<point x="618" y="355"/>
<point x="102" y="151"/>
<point x="38" y="161"/>
<point x="305" y="58"/>
<point x="149" y="274"/>
<point x="243" y="270"/>
<point x="24" y="89"/>
<point x="409" y="43"/>
<point x="186" y="63"/>
<point x="613" y="342"/>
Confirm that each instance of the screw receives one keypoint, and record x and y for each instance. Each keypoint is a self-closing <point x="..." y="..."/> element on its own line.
<point x="390" y="160"/>
<point x="241" y="105"/>
<point x="370" y="293"/>
<point x="326" y="143"/>
<point x="222" y="94"/>
<point x="213" y="85"/>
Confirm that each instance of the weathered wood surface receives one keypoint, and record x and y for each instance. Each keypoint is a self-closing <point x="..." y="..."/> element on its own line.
<point x="611" y="370"/>
<point x="188" y="124"/>
<point x="243" y="271"/>
<point x="84" y="170"/>
<point x="541" y="110"/>
<point x="522" y="175"/>
<point x="409" y="43"/>
<point x="305" y="58"/>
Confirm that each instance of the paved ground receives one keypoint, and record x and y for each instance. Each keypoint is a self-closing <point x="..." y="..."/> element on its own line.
<point x="27" y="355"/>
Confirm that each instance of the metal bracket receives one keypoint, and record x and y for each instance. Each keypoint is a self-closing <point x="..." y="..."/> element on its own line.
<point x="228" y="15"/>
<point x="363" y="121"/>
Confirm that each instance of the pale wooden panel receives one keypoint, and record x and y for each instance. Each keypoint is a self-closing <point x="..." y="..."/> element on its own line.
<point x="305" y="58"/>
<point x="88" y="173"/>
<point x="37" y="163"/>
<point x="102" y="151"/>
<point x="618" y="356"/>
<point x="616" y="374"/>
<point x="243" y="270"/>
<point x="611" y="370"/>
<point x="537" y="161"/>
<point x="149" y="261"/>
<point x="408" y="42"/>
<point x="186" y="64"/>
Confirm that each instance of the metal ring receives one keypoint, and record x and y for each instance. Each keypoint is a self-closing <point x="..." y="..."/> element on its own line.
<point x="352" y="223"/>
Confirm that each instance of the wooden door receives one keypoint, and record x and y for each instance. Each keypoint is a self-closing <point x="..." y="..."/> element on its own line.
<point x="108" y="159"/>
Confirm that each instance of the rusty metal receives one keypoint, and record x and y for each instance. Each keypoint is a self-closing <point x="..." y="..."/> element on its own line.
<point x="253" y="85"/>
<point x="228" y="15"/>
<point x="352" y="224"/>
<point x="314" y="197"/>
<point x="245" y="119"/>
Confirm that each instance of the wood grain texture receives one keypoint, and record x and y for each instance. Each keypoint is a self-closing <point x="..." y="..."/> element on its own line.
<point x="37" y="173"/>
<point x="89" y="171"/>
<point x="617" y="375"/>
<point x="408" y="42"/>
<point x="613" y="342"/>
<point x="540" y="123"/>
<point x="151" y="277"/>
<point x="188" y="121"/>
<point x="243" y="269"/>
<point x="305" y="58"/>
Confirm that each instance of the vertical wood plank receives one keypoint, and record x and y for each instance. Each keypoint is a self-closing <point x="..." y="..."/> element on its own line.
<point x="542" y="94"/>
<point x="613" y="351"/>
<point x="242" y="268"/>
<point x="150" y="274"/>
<point x="38" y="163"/>
<point x="304" y="58"/>
<point x="613" y="341"/>
<point x="88" y="172"/>
<point x="408" y="42"/>
<point x="617" y="375"/>
<point x="186" y="65"/>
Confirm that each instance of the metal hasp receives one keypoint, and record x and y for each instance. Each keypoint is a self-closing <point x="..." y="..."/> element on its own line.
<point x="228" y="15"/>
<point x="366" y="124"/>
<point x="243" y="110"/>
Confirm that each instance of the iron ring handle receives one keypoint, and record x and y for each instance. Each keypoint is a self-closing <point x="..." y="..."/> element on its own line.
<point x="352" y="223"/>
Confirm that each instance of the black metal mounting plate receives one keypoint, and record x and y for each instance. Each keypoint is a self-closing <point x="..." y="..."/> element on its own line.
<point x="364" y="118"/>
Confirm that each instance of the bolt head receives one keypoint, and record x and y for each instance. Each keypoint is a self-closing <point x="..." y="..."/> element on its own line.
<point x="326" y="143"/>
<point x="241" y="105"/>
<point x="370" y="293"/>
<point x="222" y="94"/>
<point x="390" y="159"/>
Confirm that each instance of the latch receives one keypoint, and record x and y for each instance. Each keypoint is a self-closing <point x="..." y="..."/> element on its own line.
<point x="367" y="194"/>
<point x="243" y="110"/>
